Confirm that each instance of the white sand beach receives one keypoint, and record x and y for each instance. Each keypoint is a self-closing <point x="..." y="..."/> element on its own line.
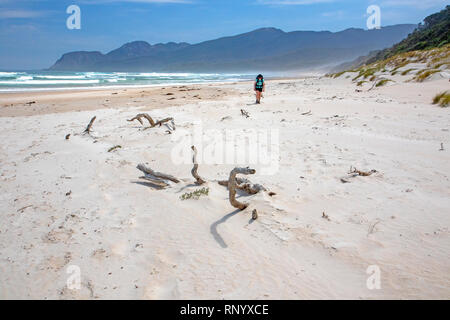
<point x="66" y="203"/>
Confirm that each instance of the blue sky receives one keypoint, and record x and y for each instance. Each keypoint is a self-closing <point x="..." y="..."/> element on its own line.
<point x="33" y="33"/>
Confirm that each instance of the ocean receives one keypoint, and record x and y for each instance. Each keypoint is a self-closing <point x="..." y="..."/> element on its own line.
<point x="50" y="80"/>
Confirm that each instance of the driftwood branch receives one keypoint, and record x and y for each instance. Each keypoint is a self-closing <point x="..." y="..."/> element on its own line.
<point x="160" y="123"/>
<point x="355" y="171"/>
<point x="194" y="172"/>
<point x="145" y="116"/>
<point x="152" y="122"/>
<point x="232" y="186"/>
<point x="156" y="175"/>
<point x="245" y="113"/>
<point x="246" y="186"/>
<point x="89" y="127"/>
<point x="155" y="182"/>
<point x="114" y="148"/>
<point x="374" y="84"/>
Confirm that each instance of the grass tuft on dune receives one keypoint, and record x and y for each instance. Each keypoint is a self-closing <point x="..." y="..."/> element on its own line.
<point x="442" y="99"/>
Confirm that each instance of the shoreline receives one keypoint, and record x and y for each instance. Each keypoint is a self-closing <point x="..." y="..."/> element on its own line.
<point x="28" y="103"/>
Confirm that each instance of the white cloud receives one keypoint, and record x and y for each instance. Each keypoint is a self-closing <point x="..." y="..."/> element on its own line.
<point x="17" y="14"/>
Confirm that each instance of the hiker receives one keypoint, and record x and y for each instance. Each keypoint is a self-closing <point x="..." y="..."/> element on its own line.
<point x="260" y="87"/>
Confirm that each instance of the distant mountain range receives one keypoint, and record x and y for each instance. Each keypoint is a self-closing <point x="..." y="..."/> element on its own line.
<point x="266" y="49"/>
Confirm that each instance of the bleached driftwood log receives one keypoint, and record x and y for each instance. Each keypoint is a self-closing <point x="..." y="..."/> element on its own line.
<point x="232" y="186"/>
<point x="156" y="175"/>
<point x="194" y="172"/>
<point x="89" y="127"/>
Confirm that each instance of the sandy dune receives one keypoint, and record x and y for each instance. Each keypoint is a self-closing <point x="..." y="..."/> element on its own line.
<point x="72" y="203"/>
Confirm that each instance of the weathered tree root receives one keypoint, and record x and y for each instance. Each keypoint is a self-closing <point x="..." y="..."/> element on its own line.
<point x="151" y="175"/>
<point x="232" y="186"/>
<point x="194" y="172"/>
<point x="89" y="127"/>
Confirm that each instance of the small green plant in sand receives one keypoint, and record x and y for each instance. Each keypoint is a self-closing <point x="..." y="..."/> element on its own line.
<point x="442" y="99"/>
<point x="196" y="194"/>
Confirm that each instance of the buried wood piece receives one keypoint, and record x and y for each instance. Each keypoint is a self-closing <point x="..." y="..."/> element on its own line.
<point x="306" y="113"/>
<point x="194" y="172"/>
<point x="89" y="127"/>
<point x="232" y="186"/>
<point x="157" y="175"/>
